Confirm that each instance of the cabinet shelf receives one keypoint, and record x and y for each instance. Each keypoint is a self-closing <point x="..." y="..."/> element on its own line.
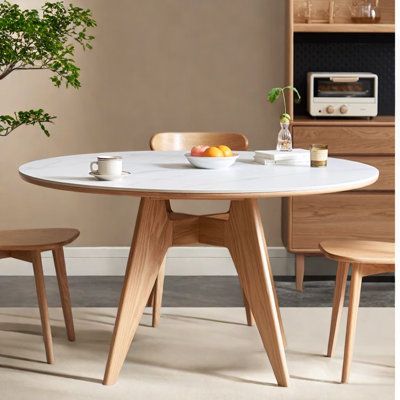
<point x="367" y="28"/>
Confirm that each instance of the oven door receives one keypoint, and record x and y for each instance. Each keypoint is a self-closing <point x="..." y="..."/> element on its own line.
<point x="351" y="88"/>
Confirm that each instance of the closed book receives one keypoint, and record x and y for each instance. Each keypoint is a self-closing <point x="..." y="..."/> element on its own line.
<point x="263" y="161"/>
<point x="275" y="155"/>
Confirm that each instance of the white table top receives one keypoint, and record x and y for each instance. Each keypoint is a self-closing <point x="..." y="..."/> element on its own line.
<point x="169" y="175"/>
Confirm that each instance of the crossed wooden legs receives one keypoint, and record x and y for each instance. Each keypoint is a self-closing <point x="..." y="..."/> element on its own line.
<point x="241" y="231"/>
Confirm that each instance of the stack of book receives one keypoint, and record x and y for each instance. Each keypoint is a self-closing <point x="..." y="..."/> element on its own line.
<point x="275" y="157"/>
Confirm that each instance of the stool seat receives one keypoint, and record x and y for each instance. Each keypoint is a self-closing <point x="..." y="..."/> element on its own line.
<point x="359" y="251"/>
<point x="36" y="239"/>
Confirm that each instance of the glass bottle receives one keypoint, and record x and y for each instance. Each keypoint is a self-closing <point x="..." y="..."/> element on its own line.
<point x="284" y="138"/>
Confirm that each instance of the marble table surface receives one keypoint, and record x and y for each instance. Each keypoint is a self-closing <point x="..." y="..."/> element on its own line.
<point x="169" y="175"/>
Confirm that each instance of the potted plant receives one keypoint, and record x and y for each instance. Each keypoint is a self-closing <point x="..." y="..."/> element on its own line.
<point x="284" y="142"/>
<point x="41" y="40"/>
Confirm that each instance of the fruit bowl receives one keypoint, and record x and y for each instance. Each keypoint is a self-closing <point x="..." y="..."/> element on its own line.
<point x="212" y="162"/>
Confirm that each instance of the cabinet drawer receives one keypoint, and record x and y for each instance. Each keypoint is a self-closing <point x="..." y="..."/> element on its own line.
<point x="347" y="139"/>
<point x="339" y="216"/>
<point x="386" y="171"/>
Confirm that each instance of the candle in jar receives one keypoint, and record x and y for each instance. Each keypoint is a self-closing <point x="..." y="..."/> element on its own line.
<point x="319" y="155"/>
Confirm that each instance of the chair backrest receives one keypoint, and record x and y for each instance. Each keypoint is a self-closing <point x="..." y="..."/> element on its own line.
<point x="169" y="141"/>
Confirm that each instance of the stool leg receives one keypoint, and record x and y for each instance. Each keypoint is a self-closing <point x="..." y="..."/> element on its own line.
<point x="43" y="308"/>
<point x="59" y="263"/>
<point x="354" y="301"/>
<point x="337" y="307"/>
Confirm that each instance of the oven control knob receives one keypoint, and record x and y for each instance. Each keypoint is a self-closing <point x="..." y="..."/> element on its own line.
<point x="343" y="109"/>
<point x="330" y="110"/>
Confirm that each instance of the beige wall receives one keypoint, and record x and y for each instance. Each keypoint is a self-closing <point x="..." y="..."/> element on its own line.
<point x="157" y="65"/>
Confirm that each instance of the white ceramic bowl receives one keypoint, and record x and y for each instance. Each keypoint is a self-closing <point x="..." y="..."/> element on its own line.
<point x="211" y="162"/>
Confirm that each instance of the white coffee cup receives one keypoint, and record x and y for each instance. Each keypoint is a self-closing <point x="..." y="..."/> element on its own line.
<point x="107" y="165"/>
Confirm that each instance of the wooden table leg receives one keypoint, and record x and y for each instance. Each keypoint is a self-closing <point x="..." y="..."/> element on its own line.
<point x="157" y="295"/>
<point x="246" y="242"/>
<point x="152" y="237"/>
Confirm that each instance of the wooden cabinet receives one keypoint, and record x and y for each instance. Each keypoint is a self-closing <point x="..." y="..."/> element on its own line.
<point x="364" y="213"/>
<point x="367" y="212"/>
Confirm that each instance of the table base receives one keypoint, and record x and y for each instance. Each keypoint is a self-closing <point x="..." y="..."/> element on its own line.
<point x="240" y="230"/>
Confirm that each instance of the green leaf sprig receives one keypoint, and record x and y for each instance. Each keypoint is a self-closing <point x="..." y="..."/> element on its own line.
<point x="275" y="93"/>
<point x="42" y="40"/>
<point x="32" y="117"/>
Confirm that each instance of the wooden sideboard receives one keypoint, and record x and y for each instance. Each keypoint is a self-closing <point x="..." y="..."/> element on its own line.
<point x="367" y="213"/>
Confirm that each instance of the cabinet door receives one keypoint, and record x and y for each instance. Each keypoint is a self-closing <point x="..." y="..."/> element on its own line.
<point x="343" y="140"/>
<point x="385" y="165"/>
<point x="367" y="216"/>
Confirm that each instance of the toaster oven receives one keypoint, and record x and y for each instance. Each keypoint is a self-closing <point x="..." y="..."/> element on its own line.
<point x="342" y="94"/>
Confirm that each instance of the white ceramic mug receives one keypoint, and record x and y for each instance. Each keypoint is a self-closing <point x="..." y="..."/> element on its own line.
<point x="107" y="165"/>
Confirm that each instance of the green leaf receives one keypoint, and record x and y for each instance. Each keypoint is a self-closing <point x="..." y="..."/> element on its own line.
<point x="8" y="123"/>
<point x="274" y="94"/>
<point x="33" y="40"/>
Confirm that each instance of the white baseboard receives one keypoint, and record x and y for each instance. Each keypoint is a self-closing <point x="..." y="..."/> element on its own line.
<point x="183" y="261"/>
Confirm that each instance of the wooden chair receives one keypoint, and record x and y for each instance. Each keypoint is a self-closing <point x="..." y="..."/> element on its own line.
<point x="27" y="245"/>
<point x="367" y="258"/>
<point x="170" y="141"/>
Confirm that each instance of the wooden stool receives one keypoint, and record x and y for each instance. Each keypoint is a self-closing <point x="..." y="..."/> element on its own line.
<point x="173" y="141"/>
<point x="27" y="245"/>
<point x="367" y="258"/>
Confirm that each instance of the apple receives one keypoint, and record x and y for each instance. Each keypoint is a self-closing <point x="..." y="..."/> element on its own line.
<point x="197" y="151"/>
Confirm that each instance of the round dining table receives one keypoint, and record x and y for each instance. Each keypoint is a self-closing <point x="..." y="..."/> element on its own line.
<point x="157" y="177"/>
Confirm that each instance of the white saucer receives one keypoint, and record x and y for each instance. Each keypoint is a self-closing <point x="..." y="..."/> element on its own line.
<point x="109" y="177"/>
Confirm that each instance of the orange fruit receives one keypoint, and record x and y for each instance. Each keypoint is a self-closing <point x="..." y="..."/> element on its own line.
<point x="213" y="152"/>
<point x="226" y="150"/>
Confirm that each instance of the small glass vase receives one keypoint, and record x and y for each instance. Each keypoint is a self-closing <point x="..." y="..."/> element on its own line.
<point x="284" y="138"/>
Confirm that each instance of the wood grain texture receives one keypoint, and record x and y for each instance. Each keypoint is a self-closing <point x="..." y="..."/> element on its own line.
<point x="212" y="229"/>
<point x="151" y="239"/>
<point x="379" y="121"/>
<point x="337" y="307"/>
<point x="354" y="301"/>
<point x="300" y="261"/>
<point x="367" y="258"/>
<point x="62" y="280"/>
<point x="249" y="315"/>
<point x="344" y="140"/>
<point x="385" y="165"/>
<point x="168" y="141"/>
<point x="192" y="229"/>
<point x="359" y="251"/>
<point x="341" y="216"/>
<point x="157" y="295"/>
<point x="43" y="308"/>
<point x="36" y="239"/>
<point x="246" y="243"/>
